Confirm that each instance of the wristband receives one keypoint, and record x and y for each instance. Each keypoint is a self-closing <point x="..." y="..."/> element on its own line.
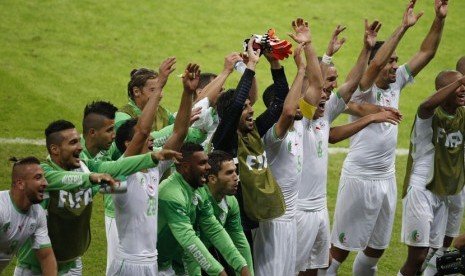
<point x="307" y="109"/>
<point x="326" y="59"/>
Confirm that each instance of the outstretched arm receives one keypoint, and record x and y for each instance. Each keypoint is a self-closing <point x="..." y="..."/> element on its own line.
<point x="355" y="75"/>
<point x="303" y="35"/>
<point x="292" y="100"/>
<point x="190" y="81"/>
<point x="144" y="123"/>
<point x="339" y="133"/>
<point x="213" y="90"/>
<point x="426" y="108"/>
<point x="384" y="53"/>
<point x="431" y="43"/>
<point x="333" y="47"/>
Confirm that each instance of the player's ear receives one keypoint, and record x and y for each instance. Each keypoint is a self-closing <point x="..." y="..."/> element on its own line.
<point x="212" y="179"/>
<point x="54" y="149"/>
<point x="19" y="183"/>
<point x="92" y="131"/>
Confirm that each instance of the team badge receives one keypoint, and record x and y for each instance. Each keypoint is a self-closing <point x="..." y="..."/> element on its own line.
<point x="342" y="237"/>
<point x="415" y="236"/>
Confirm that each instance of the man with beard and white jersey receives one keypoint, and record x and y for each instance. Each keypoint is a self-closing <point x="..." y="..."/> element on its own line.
<point x="276" y="239"/>
<point x="21" y="217"/>
<point x="136" y="212"/>
<point x="312" y="216"/>
<point x="368" y="181"/>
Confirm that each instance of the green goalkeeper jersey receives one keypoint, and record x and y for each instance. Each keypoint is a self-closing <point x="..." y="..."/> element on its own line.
<point x="183" y="212"/>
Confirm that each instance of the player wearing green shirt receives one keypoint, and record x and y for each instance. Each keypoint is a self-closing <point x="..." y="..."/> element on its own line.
<point x="183" y="211"/>
<point x="70" y="192"/>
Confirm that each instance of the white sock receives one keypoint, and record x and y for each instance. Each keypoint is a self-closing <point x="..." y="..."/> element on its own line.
<point x="333" y="267"/>
<point x="431" y="265"/>
<point x="364" y="265"/>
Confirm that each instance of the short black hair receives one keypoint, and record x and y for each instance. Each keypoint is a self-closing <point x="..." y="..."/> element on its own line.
<point x="52" y="135"/>
<point x="105" y="109"/>
<point x="125" y="133"/>
<point x="138" y="79"/>
<point x="188" y="149"/>
<point x="18" y="162"/>
<point x="375" y="50"/>
<point x="216" y="159"/>
<point x="224" y="102"/>
<point x="205" y="79"/>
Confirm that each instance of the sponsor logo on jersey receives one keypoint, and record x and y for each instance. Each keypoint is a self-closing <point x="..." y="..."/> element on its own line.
<point x="415" y="235"/>
<point x="342" y="237"/>
<point x="450" y="140"/>
<point x="6" y="227"/>
<point x="75" y="200"/>
<point x="256" y="162"/>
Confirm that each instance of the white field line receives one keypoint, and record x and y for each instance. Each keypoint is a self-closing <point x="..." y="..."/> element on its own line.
<point x="40" y="142"/>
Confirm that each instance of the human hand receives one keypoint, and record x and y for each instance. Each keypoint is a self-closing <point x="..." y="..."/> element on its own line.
<point x="245" y="271"/>
<point x="334" y="44"/>
<point x="409" y="17"/>
<point x="166" y="154"/>
<point x="195" y="114"/>
<point x="298" y="58"/>
<point x="230" y="60"/>
<point x="166" y="68"/>
<point x="393" y="110"/>
<point x="371" y="32"/>
<point x="223" y="273"/>
<point x="386" y="116"/>
<point x="302" y="31"/>
<point x="253" y="56"/>
<point x="191" y="77"/>
<point x="441" y="7"/>
<point x="101" y="177"/>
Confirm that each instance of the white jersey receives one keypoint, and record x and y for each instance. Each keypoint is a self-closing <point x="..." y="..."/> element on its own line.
<point x="312" y="188"/>
<point x="136" y="215"/>
<point x="422" y="152"/>
<point x="285" y="160"/>
<point x="372" y="150"/>
<point x="17" y="226"/>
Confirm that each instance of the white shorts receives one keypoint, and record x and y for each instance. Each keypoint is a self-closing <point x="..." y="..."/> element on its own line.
<point x="129" y="268"/>
<point x="364" y="215"/>
<point x="313" y="240"/>
<point x="275" y="240"/>
<point x="424" y="217"/>
<point x="455" y="214"/>
<point x="112" y="239"/>
<point x="169" y="272"/>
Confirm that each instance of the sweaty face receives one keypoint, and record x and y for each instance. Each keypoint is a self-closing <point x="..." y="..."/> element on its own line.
<point x="320" y="111"/>
<point x="105" y="135"/>
<point x="246" y="120"/>
<point x="197" y="169"/>
<point x="330" y="81"/>
<point x="227" y="179"/>
<point x="34" y="183"/>
<point x="147" y="91"/>
<point x="388" y="74"/>
<point x="69" y="150"/>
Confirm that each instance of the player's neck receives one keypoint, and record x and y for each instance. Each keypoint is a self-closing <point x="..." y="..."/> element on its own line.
<point x="21" y="201"/>
<point x="91" y="147"/>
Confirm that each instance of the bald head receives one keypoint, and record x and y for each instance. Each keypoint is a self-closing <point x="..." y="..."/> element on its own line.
<point x="461" y="65"/>
<point x="446" y="77"/>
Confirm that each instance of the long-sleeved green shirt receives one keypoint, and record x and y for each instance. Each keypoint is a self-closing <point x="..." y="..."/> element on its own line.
<point x="183" y="212"/>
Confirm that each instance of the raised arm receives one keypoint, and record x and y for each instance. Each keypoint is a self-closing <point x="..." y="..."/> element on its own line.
<point x="431" y="42"/>
<point x="426" y="109"/>
<point x="385" y="52"/>
<point x="286" y="119"/>
<point x="355" y="75"/>
<point x="213" y="90"/>
<point x="315" y="80"/>
<point x="144" y="123"/>
<point x="333" y="47"/>
<point x="190" y="81"/>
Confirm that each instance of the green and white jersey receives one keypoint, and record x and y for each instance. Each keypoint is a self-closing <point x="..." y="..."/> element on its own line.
<point x="16" y="226"/>
<point x="180" y="207"/>
<point x="136" y="215"/>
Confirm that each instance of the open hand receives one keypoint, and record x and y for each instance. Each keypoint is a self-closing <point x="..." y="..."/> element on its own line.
<point x="334" y="44"/>
<point x="371" y="32"/>
<point x="191" y="77"/>
<point x="302" y="31"/>
<point x="409" y="17"/>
